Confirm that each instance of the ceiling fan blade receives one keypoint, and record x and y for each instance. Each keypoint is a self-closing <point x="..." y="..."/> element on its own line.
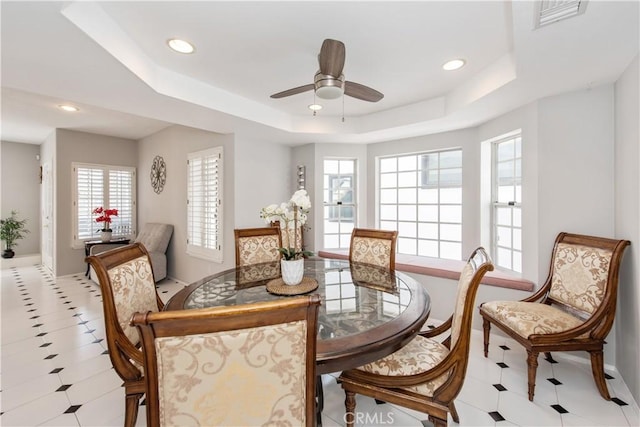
<point x="294" y="91"/>
<point x="365" y="93"/>
<point x="331" y="57"/>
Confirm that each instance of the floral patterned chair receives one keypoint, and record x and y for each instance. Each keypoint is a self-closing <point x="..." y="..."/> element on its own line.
<point x="127" y="284"/>
<point x="257" y="245"/>
<point x="573" y="310"/>
<point x="425" y="375"/>
<point x="243" y="365"/>
<point x="376" y="247"/>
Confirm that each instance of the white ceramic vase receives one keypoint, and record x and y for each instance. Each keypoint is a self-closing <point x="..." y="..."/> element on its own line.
<point x="292" y="271"/>
<point x="105" y="236"/>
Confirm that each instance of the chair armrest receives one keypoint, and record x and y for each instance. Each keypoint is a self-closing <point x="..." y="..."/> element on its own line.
<point x="102" y="247"/>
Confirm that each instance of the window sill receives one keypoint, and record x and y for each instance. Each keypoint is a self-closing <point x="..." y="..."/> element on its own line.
<point x="445" y="268"/>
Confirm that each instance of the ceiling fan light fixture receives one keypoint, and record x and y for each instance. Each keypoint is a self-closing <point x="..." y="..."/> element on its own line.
<point x="454" y="64"/>
<point x="328" y="87"/>
<point x="181" y="46"/>
<point x="315" y="107"/>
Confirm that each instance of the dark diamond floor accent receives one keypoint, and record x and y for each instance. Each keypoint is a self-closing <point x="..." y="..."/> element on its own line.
<point x="32" y="310"/>
<point x="55" y="371"/>
<point x="33" y="317"/>
<point x="618" y="401"/>
<point x="504" y="347"/>
<point x="105" y="352"/>
<point x="77" y="315"/>
<point x="47" y="344"/>
<point x="90" y="331"/>
<point x="550" y="359"/>
<point x="72" y="409"/>
<point x="51" y="356"/>
<point x="554" y="381"/>
<point x="97" y="341"/>
<point x="64" y="387"/>
<point x="502" y="365"/>
<point x="37" y="325"/>
<point x="380" y="402"/>
<point x="560" y="409"/>
<point x="41" y="334"/>
<point x="500" y="387"/>
<point x="609" y="377"/>
<point x="83" y="323"/>
<point x="426" y="423"/>
<point x="496" y="416"/>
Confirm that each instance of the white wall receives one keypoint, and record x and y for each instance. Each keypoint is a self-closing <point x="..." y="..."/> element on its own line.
<point x="170" y="206"/>
<point x="627" y="224"/>
<point x="21" y="168"/>
<point x="575" y="165"/>
<point x="304" y="155"/>
<point x="73" y="146"/>
<point x="263" y="175"/>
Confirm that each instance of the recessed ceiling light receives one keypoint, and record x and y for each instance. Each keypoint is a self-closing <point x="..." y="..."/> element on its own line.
<point x="69" y="108"/>
<point x="315" y="107"/>
<point x="454" y="64"/>
<point x="181" y="46"/>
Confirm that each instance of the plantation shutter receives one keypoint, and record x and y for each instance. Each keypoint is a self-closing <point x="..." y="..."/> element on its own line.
<point x="204" y="204"/>
<point x="121" y="198"/>
<point x="112" y="187"/>
<point x="90" y="194"/>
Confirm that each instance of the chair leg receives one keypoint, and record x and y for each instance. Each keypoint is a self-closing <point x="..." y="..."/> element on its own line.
<point x="437" y="422"/>
<point x="454" y="412"/>
<point x="532" y="363"/>
<point x="319" y="400"/>
<point x="486" y="327"/>
<point x="350" y="405"/>
<point x="131" y="409"/>
<point x="597" y="368"/>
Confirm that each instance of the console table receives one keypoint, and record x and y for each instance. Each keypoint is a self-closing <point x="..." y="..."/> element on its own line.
<point x="89" y="243"/>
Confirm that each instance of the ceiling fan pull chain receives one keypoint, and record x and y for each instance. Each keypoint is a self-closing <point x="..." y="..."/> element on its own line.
<point x="343" y="108"/>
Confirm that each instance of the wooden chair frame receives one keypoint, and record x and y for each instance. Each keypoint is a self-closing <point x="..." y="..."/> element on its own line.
<point x="122" y="351"/>
<point x="387" y="388"/>
<point x="241" y="233"/>
<point x="596" y="325"/>
<point x="376" y="234"/>
<point x="202" y="321"/>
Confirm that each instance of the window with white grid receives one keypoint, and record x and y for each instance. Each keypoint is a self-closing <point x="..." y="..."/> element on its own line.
<point x="420" y="196"/>
<point x="109" y="187"/>
<point x="339" y="191"/>
<point x="506" y="227"/>
<point x="204" y="204"/>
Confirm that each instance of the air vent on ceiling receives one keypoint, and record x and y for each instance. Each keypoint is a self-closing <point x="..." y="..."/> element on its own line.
<point x="550" y="11"/>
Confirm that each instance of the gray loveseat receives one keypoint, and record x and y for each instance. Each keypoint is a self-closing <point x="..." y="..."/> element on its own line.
<point x="155" y="237"/>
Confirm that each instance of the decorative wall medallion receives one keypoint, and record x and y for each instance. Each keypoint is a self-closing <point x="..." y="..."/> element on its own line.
<point x="158" y="174"/>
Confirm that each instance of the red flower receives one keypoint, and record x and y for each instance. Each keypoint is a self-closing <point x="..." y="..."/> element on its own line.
<point x="105" y="216"/>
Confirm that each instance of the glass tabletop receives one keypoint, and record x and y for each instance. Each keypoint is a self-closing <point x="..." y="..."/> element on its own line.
<point x="362" y="305"/>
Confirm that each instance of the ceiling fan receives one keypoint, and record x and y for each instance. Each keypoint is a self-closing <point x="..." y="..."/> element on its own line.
<point x="329" y="82"/>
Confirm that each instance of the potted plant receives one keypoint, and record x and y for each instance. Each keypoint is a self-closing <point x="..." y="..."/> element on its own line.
<point x="104" y="216"/>
<point x="290" y="215"/>
<point x="11" y="230"/>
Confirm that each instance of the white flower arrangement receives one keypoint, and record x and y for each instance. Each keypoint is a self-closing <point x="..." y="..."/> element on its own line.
<point x="290" y="215"/>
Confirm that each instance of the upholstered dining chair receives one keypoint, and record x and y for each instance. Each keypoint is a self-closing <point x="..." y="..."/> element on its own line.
<point x="127" y="284"/>
<point x="257" y="245"/>
<point x="376" y="247"/>
<point x="243" y="365"/>
<point x="573" y="310"/>
<point x="425" y="375"/>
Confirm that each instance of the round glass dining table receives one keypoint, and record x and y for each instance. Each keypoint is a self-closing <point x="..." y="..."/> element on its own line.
<point x="367" y="312"/>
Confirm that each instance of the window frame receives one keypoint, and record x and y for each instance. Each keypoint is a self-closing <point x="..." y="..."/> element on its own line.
<point x="344" y="239"/>
<point x="421" y="182"/>
<point x="208" y="253"/>
<point x="512" y="204"/>
<point x="77" y="241"/>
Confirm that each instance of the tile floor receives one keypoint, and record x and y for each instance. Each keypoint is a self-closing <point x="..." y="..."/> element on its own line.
<point x="55" y="371"/>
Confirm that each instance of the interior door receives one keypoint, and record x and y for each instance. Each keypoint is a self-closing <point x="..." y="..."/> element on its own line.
<point x="47" y="239"/>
